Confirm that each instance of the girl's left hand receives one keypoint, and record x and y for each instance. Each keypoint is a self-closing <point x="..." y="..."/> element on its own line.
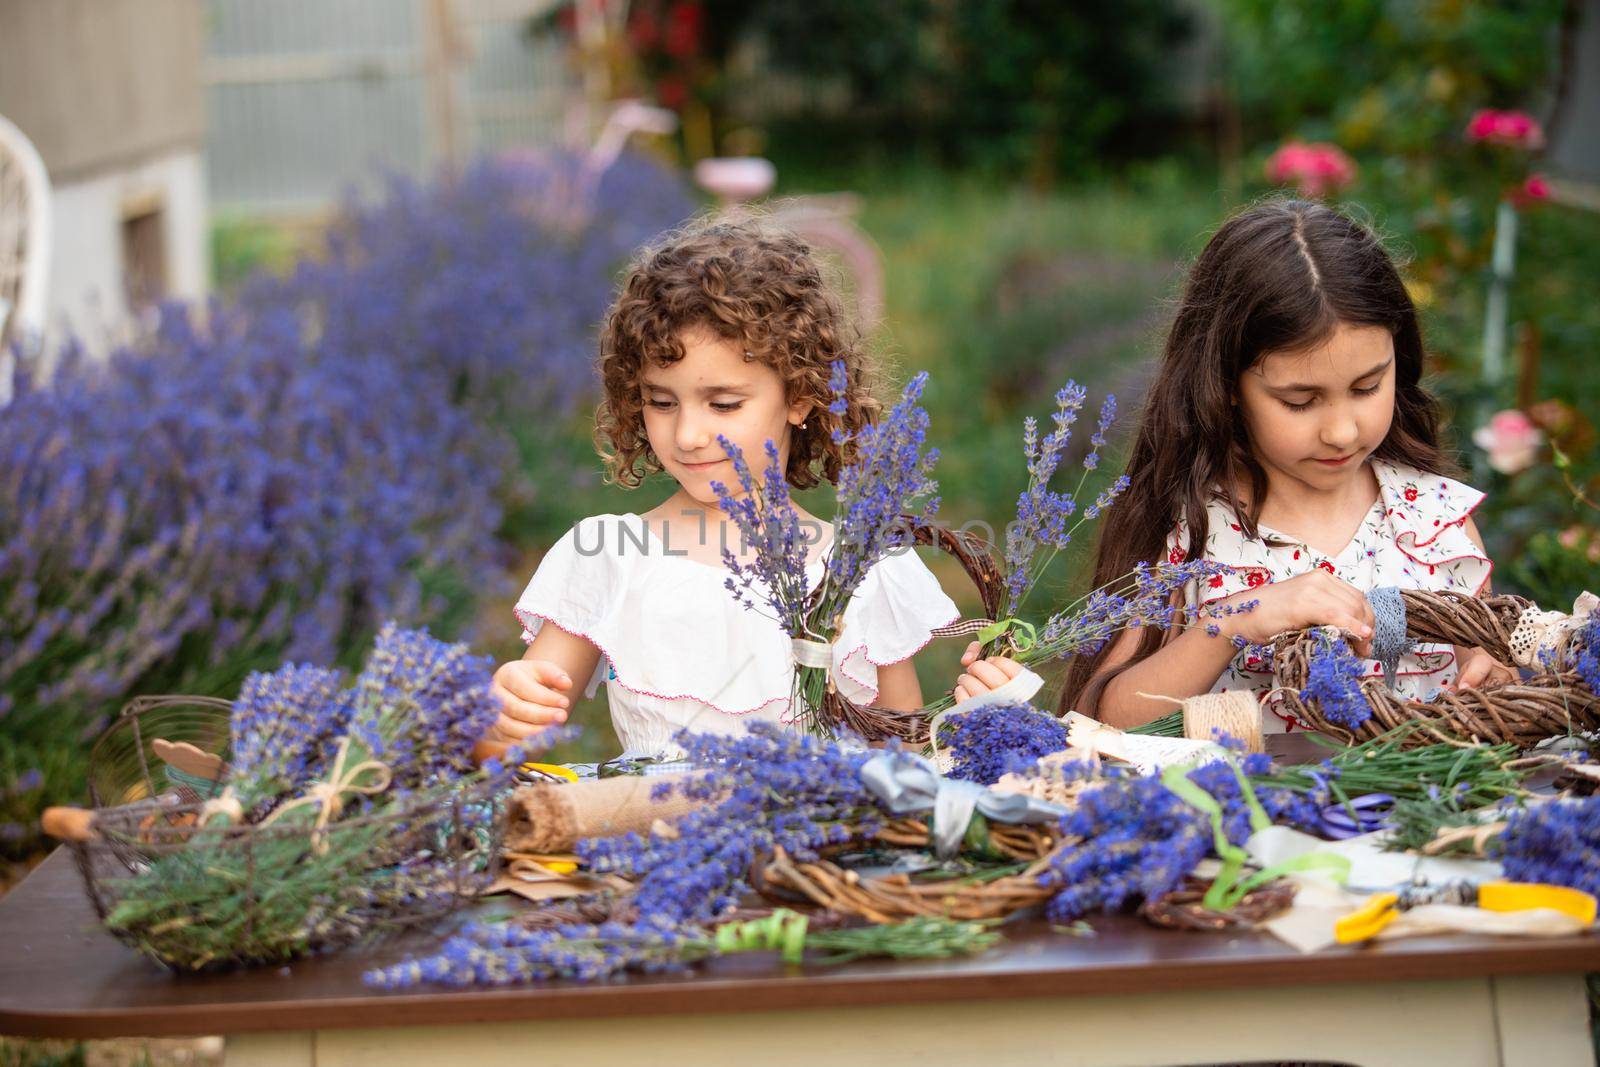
<point x="1477" y="669"/>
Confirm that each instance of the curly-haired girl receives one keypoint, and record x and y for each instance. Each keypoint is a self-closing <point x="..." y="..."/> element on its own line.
<point x="726" y="328"/>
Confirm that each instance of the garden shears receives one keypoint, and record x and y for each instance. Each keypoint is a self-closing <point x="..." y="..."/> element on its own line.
<point x="1381" y="909"/>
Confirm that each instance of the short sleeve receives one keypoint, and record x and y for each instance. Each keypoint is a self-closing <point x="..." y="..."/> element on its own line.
<point x="573" y="587"/>
<point x="889" y="619"/>
<point x="1428" y="515"/>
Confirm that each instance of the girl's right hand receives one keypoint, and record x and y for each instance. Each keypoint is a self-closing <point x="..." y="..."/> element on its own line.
<point x="530" y="694"/>
<point x="1315" y="598"/>
<point x="982" y="675"/>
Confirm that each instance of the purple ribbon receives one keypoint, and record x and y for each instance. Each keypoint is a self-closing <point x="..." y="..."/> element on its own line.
<point x="1370" y="812"/>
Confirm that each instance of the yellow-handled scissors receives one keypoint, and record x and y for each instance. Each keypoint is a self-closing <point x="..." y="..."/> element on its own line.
<point x="1381" y="909"/>
<point x="552" y="770"/>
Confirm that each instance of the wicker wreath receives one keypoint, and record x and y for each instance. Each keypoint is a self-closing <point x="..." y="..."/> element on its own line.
<point x="976" y="556"/>
<point x="1550" y="703"/>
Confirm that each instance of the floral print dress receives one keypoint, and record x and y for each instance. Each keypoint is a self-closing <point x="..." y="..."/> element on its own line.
<point x="1414" y="537"/>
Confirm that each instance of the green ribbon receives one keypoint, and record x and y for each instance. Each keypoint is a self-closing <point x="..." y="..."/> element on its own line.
<point x="1229" y="887"/>
<point x="783" y="930"/>
<point x="1024" y="638"/>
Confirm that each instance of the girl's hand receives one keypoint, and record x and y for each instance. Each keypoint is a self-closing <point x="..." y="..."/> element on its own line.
<point x="530" y="695"/>
<point x="983" y="675"/>
<point x="1477" y="669"/>
<point x="1315" y="598"/>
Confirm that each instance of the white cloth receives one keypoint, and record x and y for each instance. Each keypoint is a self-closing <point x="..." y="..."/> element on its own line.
<point x="1414" y="537"/>
<point x="678" y="651"/>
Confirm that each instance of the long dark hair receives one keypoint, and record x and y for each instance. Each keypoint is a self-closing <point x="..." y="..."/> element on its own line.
<point x="1278" y="276"/>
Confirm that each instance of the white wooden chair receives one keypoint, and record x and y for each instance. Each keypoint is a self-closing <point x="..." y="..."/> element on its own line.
<point x="24" y="248"/>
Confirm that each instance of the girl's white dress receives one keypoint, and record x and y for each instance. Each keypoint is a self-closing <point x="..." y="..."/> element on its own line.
<point x="1414" y="537"/>
<point x="677" y="651"/>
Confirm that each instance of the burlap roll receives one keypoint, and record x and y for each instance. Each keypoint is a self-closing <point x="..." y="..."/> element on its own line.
<point x="550" y="818"/>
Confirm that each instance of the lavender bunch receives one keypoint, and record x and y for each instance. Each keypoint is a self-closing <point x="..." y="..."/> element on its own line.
<point x="768" y="524"/>
<point x="1556" y="842"/>
<point x="1333" y="681"/>
<point x="284" y="727"/>
<point x="1044" y="516"/>
<point x="485" y="954"/>
<point x="1135" y="839"/>
<point x="890" y="473"/>
<point x="421" y="704"/>
<point x="998" y="738"/>
<point x="777" y="789"/>
<point x="501" y="955"/>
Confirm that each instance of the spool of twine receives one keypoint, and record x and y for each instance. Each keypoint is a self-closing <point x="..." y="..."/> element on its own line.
<point x="1233" y="713"/>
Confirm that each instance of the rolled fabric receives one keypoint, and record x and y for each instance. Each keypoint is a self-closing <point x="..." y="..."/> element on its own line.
<point x="552" y="817"/>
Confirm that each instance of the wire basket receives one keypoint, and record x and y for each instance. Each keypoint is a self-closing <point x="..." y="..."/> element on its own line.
<point x="194" y="892"/>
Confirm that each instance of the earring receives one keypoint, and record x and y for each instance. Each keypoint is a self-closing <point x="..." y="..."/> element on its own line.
<point x="803" y="425"/>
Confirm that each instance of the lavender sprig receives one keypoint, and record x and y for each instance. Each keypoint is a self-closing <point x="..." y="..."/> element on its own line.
<point x="1045" y="516"/>
<point x="1333" y="682"/>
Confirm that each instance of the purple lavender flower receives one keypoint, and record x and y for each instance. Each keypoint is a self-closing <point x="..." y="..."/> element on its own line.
<point x="1333" y="683"/>
<point x="777" y="789"/>
<point x="284" y="727"/>
<point x="989" y="741"/>
<point x="1044" y="516"/>
<point x="1556" y="842"/>
<point x="892" y="470"/>
<point x="421" y="704"/>
<point x="1137" y="840"/>
<point x="1147" y="598"/>
<point x="770" y="527"/>
<point x="485" y="954"/>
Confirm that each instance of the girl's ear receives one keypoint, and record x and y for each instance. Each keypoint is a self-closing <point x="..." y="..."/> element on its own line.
<point x="800" y="411"/>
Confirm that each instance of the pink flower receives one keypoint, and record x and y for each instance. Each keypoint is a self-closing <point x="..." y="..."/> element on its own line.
<point x="1512" y="441"/>
<point x="1314" y="169"/>
<point x="1513" y="129"/>
<point x="1535" y="188"/>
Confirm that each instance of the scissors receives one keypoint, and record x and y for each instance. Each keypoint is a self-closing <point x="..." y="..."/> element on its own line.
<point x="1381" y="909"/>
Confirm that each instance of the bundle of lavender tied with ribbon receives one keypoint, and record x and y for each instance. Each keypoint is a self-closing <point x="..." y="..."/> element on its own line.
<point x="889" y="475"/>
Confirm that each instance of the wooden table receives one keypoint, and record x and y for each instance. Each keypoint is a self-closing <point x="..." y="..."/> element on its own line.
<point x="1129" y="995"/>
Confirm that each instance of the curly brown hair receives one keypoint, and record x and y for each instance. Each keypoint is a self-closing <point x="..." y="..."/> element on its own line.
<point x="752" y="283"/>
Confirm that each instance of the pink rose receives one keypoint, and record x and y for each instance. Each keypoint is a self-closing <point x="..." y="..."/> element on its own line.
<point x="1513" y="129"/>
<point x="1314" y="169"/>
<point x="1535" y="188"/>
<point x="1512" y="441"/>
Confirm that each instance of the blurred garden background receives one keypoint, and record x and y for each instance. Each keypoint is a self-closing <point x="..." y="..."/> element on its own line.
<point x="330" y="363"/>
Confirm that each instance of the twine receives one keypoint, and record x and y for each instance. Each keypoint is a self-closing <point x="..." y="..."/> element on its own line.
<point x="328" y="795"/>
<point x="1451" y="835"/>
<point x="1231" y="713"/>
<point x="226" y="805"/>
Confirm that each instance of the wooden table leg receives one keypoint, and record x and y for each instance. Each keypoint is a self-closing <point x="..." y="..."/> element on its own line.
<point x="1481" y="1022"/>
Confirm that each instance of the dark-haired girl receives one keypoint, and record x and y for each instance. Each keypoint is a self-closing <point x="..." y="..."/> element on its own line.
<point x="1288" y="435"/>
